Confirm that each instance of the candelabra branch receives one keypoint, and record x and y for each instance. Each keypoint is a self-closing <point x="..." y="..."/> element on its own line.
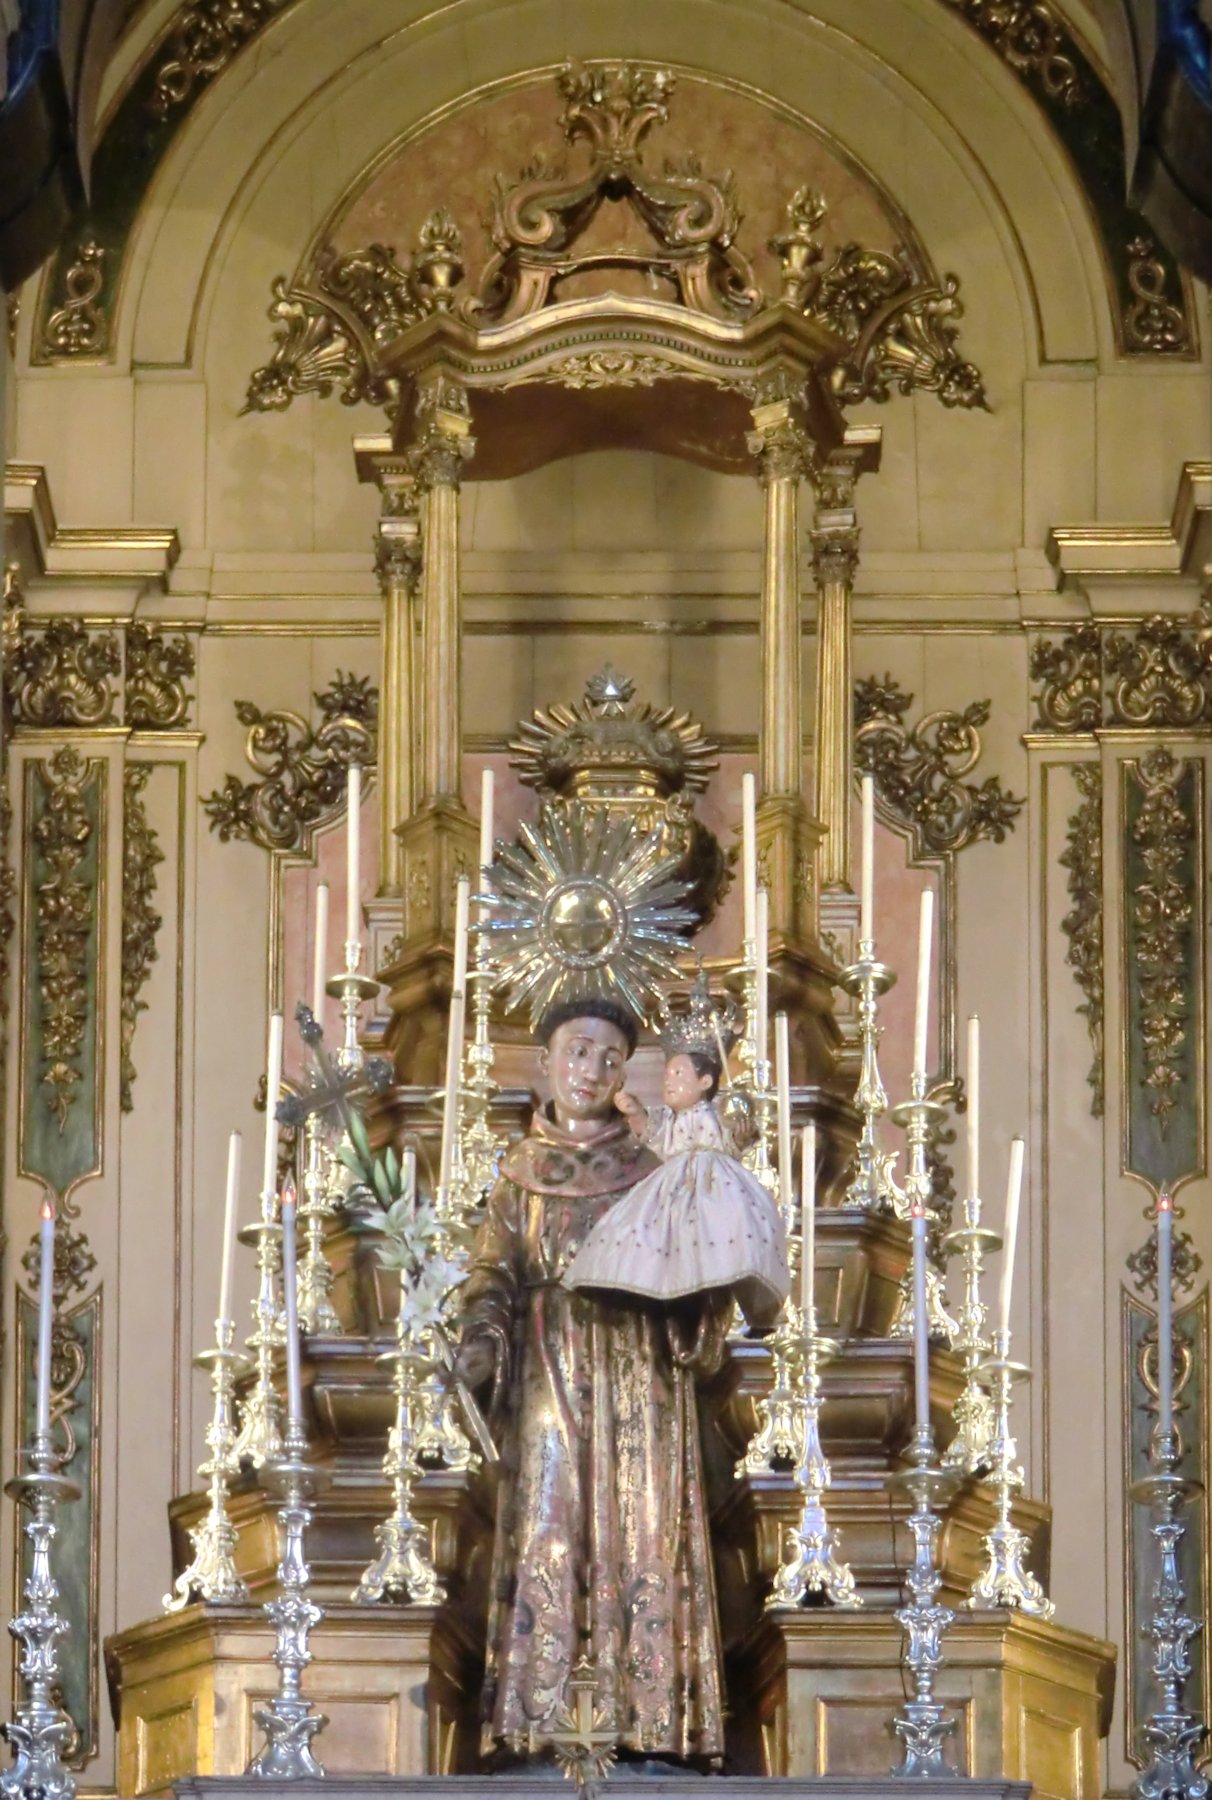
<point x="259" y="1440"/>
<point x="810" y="1561"/>
<point x="212" y="1574"/>
<point x="923" y="1725"/>
<point x="403" y="1569"/>
<point x="41" y="1730"/>
<point x="290" y="1721"/>
<point x="1175" y="1737"/>
<point x="872" y="1187"/>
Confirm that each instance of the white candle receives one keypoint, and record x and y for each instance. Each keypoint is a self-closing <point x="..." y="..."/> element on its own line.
<point x="921" y="1338"/>
<point x="353" y="856"/>
<point x="487" y="792"/>
<point x="1165" y="1314"/>
<point x="867" y="875"/>
<point x="290" y="1295"/>
<point x="808" y="1226"/>
<point x="1014" y="1188"/>
<point x="762" y="943"/>
<point x="782" y="1075"/>
<point x="921" y="1017"/>
<point x="46" y="1316"/>
<point x="408" y="1193"/>
<point x="454" y="1035"/>
<point x="229" y="1222"/>
<point x="749" y="854"/>
<point x="273" y="1085"/>
<point x="320" y="955"/>
<point x="974" y="1106"/>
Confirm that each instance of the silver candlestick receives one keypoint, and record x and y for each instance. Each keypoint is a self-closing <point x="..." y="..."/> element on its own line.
<point x="41" y="1730"/>
<point x="755" y="1084"/>
<point x="404" y="1569"/>
<point x="212" y="1575"/>
<point x="289" y="1721"/>
<point x="871" y="1186"/>
<point x="351" y="988"/>
<point x="1175" y="1737"/>
<point x="480" y="1146"/>
<point x="917" y="1115"/>
<point x="778" y="1439"/>
<point x="969" y="1449"/>
<point x="923" y="1725"/>
<point x="1004" y="1581"/>
<point x="810" y="1563"/>
<point x="259" y="1441"/>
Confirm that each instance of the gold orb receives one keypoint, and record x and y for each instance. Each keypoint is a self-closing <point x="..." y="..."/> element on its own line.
<point x="584" y="921"/>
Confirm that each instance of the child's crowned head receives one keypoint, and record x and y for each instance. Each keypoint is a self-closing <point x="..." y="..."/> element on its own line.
<point x="696" y="1039"/>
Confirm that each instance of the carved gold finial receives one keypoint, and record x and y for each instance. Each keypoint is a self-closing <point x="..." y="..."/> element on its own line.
<point x="797" y="246"/>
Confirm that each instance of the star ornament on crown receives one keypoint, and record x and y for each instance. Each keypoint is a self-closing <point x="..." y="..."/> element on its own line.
<point x="585" y="905"/>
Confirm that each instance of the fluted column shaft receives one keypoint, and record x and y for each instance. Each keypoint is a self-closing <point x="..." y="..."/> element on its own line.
<point x="835" y="556"/>
<point x="398" y="563"/>
<point x="782" y="449"/>
<point x="443" y="444"/>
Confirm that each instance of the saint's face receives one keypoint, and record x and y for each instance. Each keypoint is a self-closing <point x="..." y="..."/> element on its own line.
<point x="585" y="1063"/>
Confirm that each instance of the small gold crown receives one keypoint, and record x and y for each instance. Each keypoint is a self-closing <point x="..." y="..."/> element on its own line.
<point x="705" y="1026"/>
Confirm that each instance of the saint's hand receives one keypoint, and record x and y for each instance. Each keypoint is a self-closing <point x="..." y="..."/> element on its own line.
<point x="476" y="1362"/>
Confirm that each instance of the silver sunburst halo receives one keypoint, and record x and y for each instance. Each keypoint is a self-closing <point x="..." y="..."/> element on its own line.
<point x="585" y="905"/>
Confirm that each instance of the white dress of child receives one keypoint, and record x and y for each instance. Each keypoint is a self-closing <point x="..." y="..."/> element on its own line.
<point x="700" y="1221"/>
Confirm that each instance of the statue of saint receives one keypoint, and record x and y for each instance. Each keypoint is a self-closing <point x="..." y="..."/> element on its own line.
<point x="602" y="1543"/>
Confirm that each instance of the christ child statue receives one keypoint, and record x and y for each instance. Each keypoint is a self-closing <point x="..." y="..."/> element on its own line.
<point x="700" y="1222"/>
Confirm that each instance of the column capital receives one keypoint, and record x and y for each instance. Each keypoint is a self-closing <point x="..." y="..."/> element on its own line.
<point x="780" y="441"/>
<point x="835" y="534"/>
<point x="443" y="441"/>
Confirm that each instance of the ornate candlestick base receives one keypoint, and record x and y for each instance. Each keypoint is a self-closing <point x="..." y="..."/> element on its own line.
<point x="1004" y="1581"/>
<point x="810" y="1561"/>
<point x="403" y="1569"/>
<point x="779" y="1438"/>
<point x="351" y="989"/>
<point x="871" y="1187"/>
<point x="923" y="1725"/>
<point x="289" y="1721"/>
<point x="969" y="1450"/>
<point x="1174" y="1736"/>
<point x="212" y="1575"/>
<point x="41" y="1730"/>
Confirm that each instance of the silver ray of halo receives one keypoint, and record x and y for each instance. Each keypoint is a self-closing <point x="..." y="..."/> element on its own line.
<point x="585" y="904"/>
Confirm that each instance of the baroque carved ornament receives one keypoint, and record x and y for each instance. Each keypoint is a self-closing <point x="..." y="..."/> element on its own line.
<point x="896" y="321"/>
<point x="301" y="768"/>
<point x="1162" y="908"/>
<point x="140" y="921"/>
<point x="1082" y="857"/>
<point x="64" y="909"/>
<point x="1157" y="675"/>
<point x="919" y="769"/>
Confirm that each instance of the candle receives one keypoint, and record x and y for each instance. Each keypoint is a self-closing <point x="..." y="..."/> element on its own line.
<point x="921" y="1017"/>
<point x="1014" y="1187"/>
<point x="808" y="1228"/>
<point x="782" y="1075"/>
<point x="762" y="945"/>
<point x="229" y="1223"/>
<point x="290" y="1295"/>
<point x="974" y="1104"/>
<point x="1165" y="1314"/>
<point x="273" y="1084"/>
<point x="867" y="878"/>
<point x="487" y="790"/>
<point x="921" y="1341"/>
<point x="46" y="1316"/>
<point x="353" y="880"/>
<point x="320" y="955"/>
<point x="408" y="1193"/>
<point x="454" y="1035"/>
<point x="749" y="854"/>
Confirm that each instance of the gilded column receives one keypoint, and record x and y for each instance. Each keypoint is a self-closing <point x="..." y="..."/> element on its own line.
<point x="398" y="565"/>
<point x="835" y="541"/>
<point x="443" y="443"/>
<point x="783" y="451"/>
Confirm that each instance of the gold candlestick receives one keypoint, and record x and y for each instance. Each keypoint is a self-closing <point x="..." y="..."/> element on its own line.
<point x="317" y="1315"/>
<point x="917" y="1115"/>
<point x="351" y="988"/>
<point x="480" y="1146"/>
<point x="403" y="1569"/>
<point x="810" y="1563"/>
<point x="212" y="1575"/>
<point x="871" y="1187"/>
<point x="969" y="1449"/>
<point x="1004" y="1581"/>
<point x="259" y="1440"/>
<point x="755" y="1088"/>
